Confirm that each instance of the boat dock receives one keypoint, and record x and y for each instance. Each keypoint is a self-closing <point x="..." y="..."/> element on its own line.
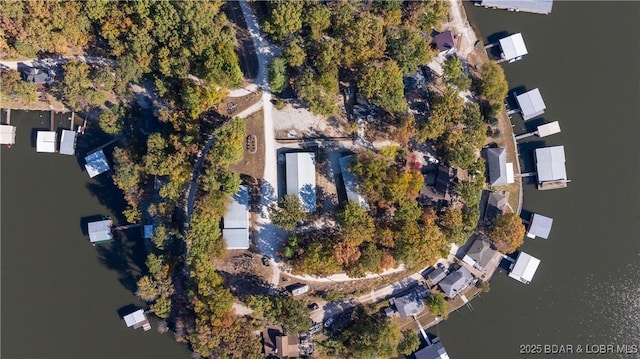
<point x="127" y="226"/>
<point x="106" y="144"/>
<point x="8" y="116"/>
<point x="52" y="120"/>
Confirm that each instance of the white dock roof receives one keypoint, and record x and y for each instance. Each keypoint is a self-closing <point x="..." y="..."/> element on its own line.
<point x="100" y="231"/>
<point x="96" y="163"/>
<point x="301" y="178"/>
<point x="549" y="129"/>
<point x="350" y="183"/>
<point x="134" y="318"/>
<point x="513" y="46"/>
<point x="524" y="268"/>
<point x="7" y="135"/>
<point x="68" y="143"/>
<point x="550" y="163"/>
<point x="531" y="104"/>
<point x="46" y="141"/>
<point x="540" y="226"/>
<point x="534" y="6"/>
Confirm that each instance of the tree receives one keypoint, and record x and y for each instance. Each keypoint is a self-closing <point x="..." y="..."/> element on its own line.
<point x="493" y="86"/>
<point x="507" y="232"/>
<point x="383" y="86"/>
<point x="317" y="259"/>
<point x="410" y="342"/>
<point x="321" y="101"/>
<point x="454" y="75"/>
<point x="288" y="212"/>
<point x="318" y="18"/>
<point x="409" y="48"/>
<point x="437" y="304"/>
<point x="446" y="109"/>
<point x="111" y="120"/>
<point x="453" y="224"/>
<point x="357" y="223"/>
<point x="278" y="79"/>
<point x="294" y="54"/>
<point x="76" y="84"/>
<point x="285" y="18"/>
<point x="27" y="91"/>
<point x="288" y="312"/>
<point x="371" y="336"/>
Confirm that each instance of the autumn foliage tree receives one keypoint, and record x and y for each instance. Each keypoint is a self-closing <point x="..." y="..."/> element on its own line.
<point x="288" y="212"/>
<point x="507" y="232"/>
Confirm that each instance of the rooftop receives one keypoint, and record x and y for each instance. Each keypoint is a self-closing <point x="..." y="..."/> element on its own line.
<point x="7" y="135"/>
<point x="455" y="282"/>
<point x="550" y="164"/>
<point x="68" y="143"/>
<point x="534" y="6"/>
<point x="433" y="351"/>
<point x="531" y="104"/>
<point x="301" y="178"/>
<point x="350" y="182"/>
<point x="100" y="231"/>
<point x="498" y="170"/>
<point x="96" y="163"/>
<point x="444" y="41"/>
<point x="287" y="346"/>
<point x="513" y="47"/>
<point x="436" y="275"/>
<point x="46" y="141"/>
<point x="549" y="129"/>
<point x="137" y="319"/>
<point x="540" y="226"/>
<point x="481" y="252"/>
<point x="409" y="304"/>
<point x="524" y="268"/>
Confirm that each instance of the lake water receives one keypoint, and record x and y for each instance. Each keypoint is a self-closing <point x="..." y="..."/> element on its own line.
<point x="585" y="59"/>
<point x="62" y="297"/>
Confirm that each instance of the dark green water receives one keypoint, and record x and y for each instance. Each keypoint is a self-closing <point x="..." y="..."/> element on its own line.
<point x="61" y="296"/>
<point x="585" y="58"/>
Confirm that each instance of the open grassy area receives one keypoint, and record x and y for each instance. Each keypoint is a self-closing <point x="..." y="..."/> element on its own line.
<point x="252" y="164"/>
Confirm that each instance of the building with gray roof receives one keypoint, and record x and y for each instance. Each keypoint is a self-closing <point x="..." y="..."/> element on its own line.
<point x="436" y="275"/>
<point x="445" y="42"/>
<point x="532" y="6"/>
<point x="409" y="304"/>
<point x="68" y="143"/>
<point x="455" y="282"/>
<point x="550" y="165"/>
<point x="433" y="351"/>
<point x="480" y="253"/>
<point x="36" y="76"/>
<point x="500" y="173"/>
<point x="496" y="205"/>
<point x="540" y="226"/>
<point x="100" y="231"/>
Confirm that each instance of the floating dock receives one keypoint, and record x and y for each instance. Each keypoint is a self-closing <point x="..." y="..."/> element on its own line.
<point x="533" y="6"/>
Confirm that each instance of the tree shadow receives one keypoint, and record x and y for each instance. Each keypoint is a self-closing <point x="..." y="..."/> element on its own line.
<point x="245" y="284"/>
<point x="527" y="160"/>
<point x="120" y="254"/>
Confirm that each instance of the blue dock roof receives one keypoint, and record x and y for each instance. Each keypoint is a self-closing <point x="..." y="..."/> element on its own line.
<point x="96" y="163"/>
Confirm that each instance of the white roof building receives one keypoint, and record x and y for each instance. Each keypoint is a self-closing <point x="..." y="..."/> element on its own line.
<point x="540" y="226"/>
<point x="68" y="143"/>
<point x="524" y="268"/>
<point x="550" y="164"/>
<point x="46" y="141"/>
<point x="96" y="163"/>
<point x="534" y="6"/>
<point x="137" y="319"/>
<point x="513" y="47"/>
<point x="236" y="221"/>
<point x="549" y="129"/>
<point x="531" y="104"/>
<point x="100" y="231"/>
<point x="7" y="135"/>
<point x="350" y="184"/>
<point x="301" y="178"/>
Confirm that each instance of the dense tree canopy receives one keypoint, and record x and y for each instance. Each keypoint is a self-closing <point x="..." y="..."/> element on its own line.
<point x="288" y="212"/>
<point x="371" y="335"/>
<point x="507" y="232"/>
<point x="493" y="86"/>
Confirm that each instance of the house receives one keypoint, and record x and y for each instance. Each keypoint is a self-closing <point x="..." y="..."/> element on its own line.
<point x="137" y="320"/>
<point x="46" y="141"/>
<point x="524" y="268"/>
<point x="236" y="221"/>
<point x="540" y="226"/>
<point x="531" y="104"/>
<point x="445" y="43"/>
<point x="513" y="47"/>
<point x="500" y="172"/>
<point x="37" y="76"/>
<point x="7" y="135"/>
<point x="533" y="6"/>
<point x="287" y="346"/>
<point x="455" y="282"/>
<point x="408" y="305"/>
<point x="443" y="181"/>
<point x="432" y="351"/>
<point x="96" y="163"/>
<point x="436" y="275"/>
<point x="68" y="143"/>
<point x="350" y="183"/>
<point x="301" y="178"/>
<point x="100" y="231"/>
<point x="480" y="253"/>
<point x="550" y="165"/>
<point x="496" y="205"/>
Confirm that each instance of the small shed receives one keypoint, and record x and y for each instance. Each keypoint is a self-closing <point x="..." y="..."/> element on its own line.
<point x="445" y="42"/>
<point x="550" y="164"/>
<point x="100" y="231"/>
<point x="137" y="320"/>
<point x="436" y="275"/>
<point x="96" y="163"/>
<point x="46" y="141"/>
<point x="147" y="231"/>
<point x="513" y="47"/>
<point x="531" y="104"/>
<point x="68" y="143"/>
<point x="7" y="135"/>
<point x="540" y="226"/>
<point x="524" y="268"/>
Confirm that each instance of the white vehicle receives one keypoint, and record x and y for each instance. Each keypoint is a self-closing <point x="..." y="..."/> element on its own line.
<point x="328" y="323"/>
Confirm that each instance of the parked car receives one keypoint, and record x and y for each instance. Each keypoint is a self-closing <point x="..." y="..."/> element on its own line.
<point x="328" y="322"/>
<point x="265" y="261"/>
<point x="313" y="306"/>
<point x="315" y="328"/>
